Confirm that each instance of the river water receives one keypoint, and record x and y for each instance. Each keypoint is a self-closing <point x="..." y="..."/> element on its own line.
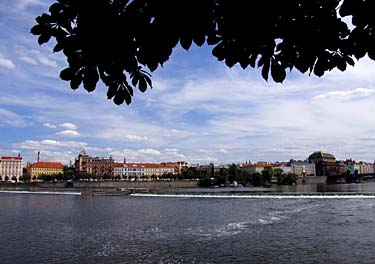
<point x="310" y="224"/>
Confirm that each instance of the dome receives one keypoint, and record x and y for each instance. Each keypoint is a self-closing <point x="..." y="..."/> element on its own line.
<point x="322" y="156"/>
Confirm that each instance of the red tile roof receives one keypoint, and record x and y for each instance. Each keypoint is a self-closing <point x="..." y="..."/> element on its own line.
<point x="10" y="158"/>
<point x="44" y="164"/>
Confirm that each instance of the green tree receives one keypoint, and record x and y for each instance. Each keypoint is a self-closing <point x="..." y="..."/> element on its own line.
<point x="6" y="178"/>
<point x="234" y="173"/>
<point x="205" y="182"/>
<point x="115" y="40"/>
<point x="278" y="173"/>
<point x="288" y="179"/>
<point x="257" y="179"/>
<point x="244" y="178"/>
<point x="14" y="178"/>
<point x="267" y="174"/>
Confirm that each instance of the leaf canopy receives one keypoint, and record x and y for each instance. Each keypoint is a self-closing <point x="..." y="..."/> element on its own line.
<point x="116" y="40"/>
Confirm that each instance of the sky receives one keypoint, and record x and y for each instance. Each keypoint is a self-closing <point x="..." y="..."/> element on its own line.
<point x="199" y="110"/>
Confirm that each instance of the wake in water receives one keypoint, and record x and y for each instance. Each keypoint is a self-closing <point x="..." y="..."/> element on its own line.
<point x="264" y="196"/>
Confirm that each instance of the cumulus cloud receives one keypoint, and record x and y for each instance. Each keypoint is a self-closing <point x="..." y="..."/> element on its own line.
<point x="68" y="133"/>
<point x="69" y="126"/>
<point x="49" y="125"/>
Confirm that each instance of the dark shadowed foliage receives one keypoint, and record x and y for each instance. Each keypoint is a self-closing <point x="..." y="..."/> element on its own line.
<point x="120" y="41"/>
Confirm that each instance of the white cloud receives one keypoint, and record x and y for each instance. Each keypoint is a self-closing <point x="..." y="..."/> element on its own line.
<point x="171" y="150"/>
<point x="135" y="137"/>
<point x="29" y="60"/>
<point x="49" y="144"/>
<point x="49" y="125"/>
<point x="6" y="63"/>
<point x="69" y="126"/>
<point x="9" y="118"/>
<point x="35" y="57"/>
<point x="351" y="94"/>
<point x="68" y="133"/>
<point x="22" y="4"/>
<point x="149" y="151"/>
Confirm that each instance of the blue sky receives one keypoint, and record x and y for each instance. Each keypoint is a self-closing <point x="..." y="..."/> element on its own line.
<point x="199" y="110"/>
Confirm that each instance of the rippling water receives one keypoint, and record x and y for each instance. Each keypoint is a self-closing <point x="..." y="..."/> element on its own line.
<point x="39" y="228"/>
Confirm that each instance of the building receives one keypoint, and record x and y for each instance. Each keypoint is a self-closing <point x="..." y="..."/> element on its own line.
<point x="256" y="168"/>
<point x="365" y="168"/>
<point x="129" y="171"/>
<point x="100" y="167"/>
<point x="351" y="167"/>
<point x="326" y="164"/>
<point x="44" y="168"/>
<point x="97" y="166"/>
<point x="10" y="168"/>
<point x="303" y="168"/>
<point x="81" y="162"/>
<point x="139" y="171"/>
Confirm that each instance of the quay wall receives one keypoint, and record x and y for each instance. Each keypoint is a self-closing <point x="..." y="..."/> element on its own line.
<point x="123" y="184"/>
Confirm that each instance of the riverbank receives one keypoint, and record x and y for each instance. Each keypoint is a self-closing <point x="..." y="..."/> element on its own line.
<point x="103" y="185"/>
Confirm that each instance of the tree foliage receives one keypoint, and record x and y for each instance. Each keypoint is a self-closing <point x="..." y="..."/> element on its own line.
<point x="120" y="42"/>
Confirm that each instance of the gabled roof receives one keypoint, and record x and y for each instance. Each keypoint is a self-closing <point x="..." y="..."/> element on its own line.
<point x="44" y="164"/>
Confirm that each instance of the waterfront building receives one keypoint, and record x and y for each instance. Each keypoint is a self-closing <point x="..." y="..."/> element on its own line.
<point x="10" y="167"/>
<point x="303" y="168"/>
<point x="44" y="168"/>
<point x="129" y="171"/>
<point x="284" y="167"/>
<point x="351" y="167"/>
<point x="153" y="169"/>
<point x="326" y="164"/>
<point x="81" y="162"/>
<point x="256" y="168"/>
<point x="139" y="171"/>
<point x="365" y="167"/>
<point x="98" y="166"/>
<point x="179" y="165"/>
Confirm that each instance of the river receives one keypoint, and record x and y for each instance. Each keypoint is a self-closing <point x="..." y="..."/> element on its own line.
<point x="300" y="224"/>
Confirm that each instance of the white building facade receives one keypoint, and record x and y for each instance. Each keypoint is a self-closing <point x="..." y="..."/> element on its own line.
<point x="10" y="168"/>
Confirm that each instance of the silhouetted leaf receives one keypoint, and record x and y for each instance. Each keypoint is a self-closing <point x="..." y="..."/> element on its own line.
<point x="142" y="85"/>
<point x="185" y="41"/>
<point x="112" y="89"/>
<point x="265" y="69"/>
<point x="75" y="82"/>
<point x="119" y="98"/>
<point x="148" y="80"/>
<point x="58" y="47"/>
<point x="277" y="72"/>
<point x="37" y="30"/>
<point x="67" y="74"/>
<point x="44" y="38"/>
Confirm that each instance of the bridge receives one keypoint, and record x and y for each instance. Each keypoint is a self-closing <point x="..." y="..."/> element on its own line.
<point x="349" y="178"/>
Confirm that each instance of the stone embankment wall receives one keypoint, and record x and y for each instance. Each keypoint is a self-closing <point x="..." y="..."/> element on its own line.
<point x="312" y="180"/>
<point x="124" y="184"/>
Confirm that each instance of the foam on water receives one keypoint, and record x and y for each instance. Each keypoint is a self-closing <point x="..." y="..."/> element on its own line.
<point x="265" y="196"/>
<point x="41" y="192"/>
